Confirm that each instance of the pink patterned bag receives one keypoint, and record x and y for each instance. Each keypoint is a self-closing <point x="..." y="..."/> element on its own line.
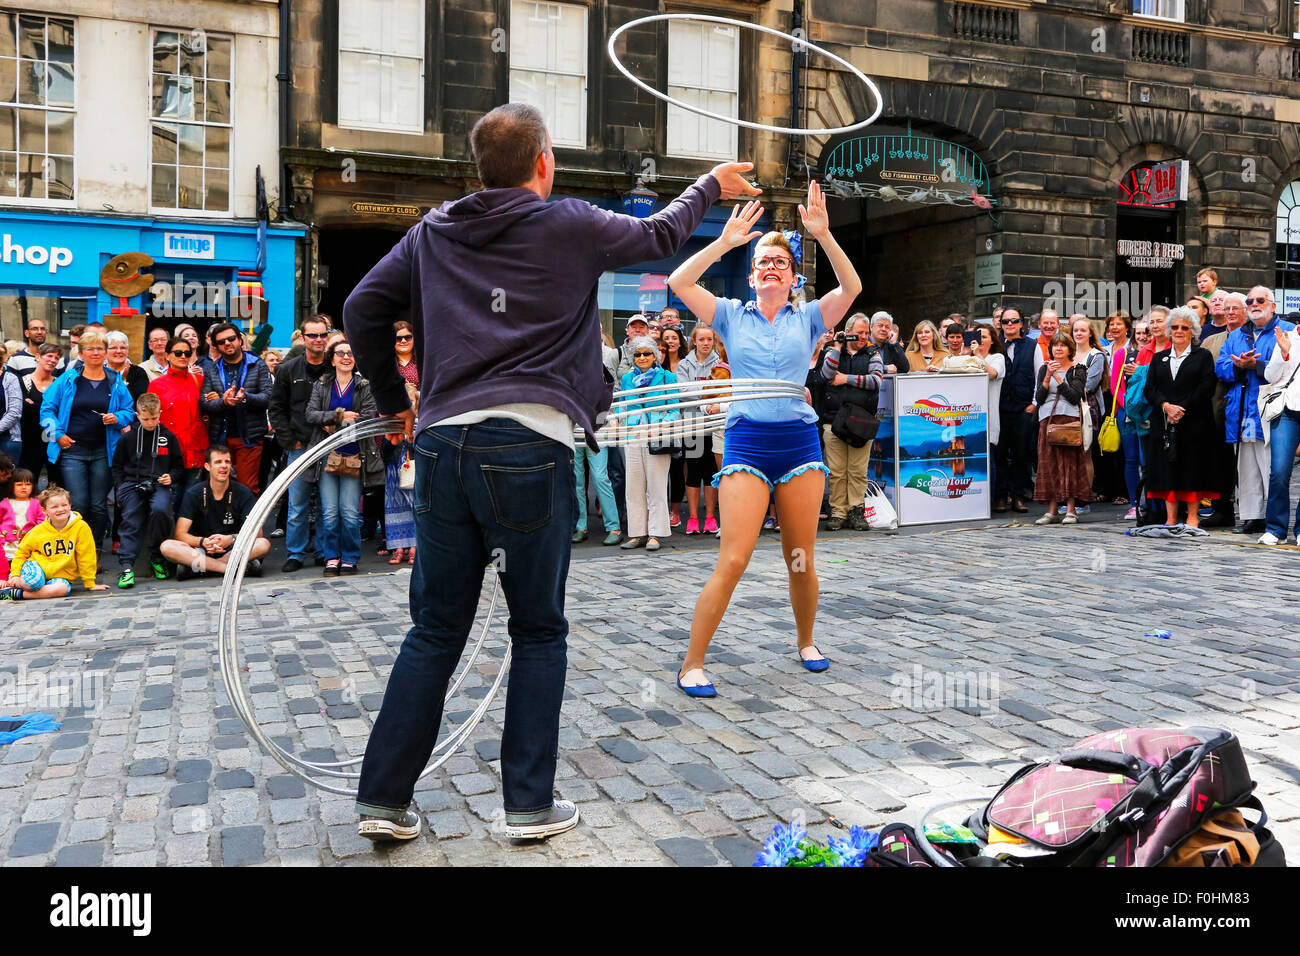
<point x="1122" y="798"/>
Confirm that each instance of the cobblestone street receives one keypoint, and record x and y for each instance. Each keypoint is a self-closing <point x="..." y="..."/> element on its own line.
<point x="957" y="655"/>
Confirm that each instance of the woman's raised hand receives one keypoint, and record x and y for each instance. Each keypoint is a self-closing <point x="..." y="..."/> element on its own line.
<point x="739" y="230"/>
<point x="815" y="218"/>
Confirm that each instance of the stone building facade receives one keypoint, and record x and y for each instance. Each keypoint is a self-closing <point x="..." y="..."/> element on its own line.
<point x="1066" y="103"/>
<point x="1062" y="100"/>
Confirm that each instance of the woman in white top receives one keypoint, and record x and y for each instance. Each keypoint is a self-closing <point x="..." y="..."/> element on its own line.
<point x="993" y="356"/>
<point x="1284" y="435"/>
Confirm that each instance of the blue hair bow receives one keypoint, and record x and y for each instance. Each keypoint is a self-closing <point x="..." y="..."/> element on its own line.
<point x="793" y="237"/>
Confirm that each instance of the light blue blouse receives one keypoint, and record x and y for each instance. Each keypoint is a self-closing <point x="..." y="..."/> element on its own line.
<point x="757" y="348"/>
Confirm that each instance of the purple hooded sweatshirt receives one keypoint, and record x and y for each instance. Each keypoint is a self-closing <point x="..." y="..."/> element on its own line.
<point x="501" y="287"/>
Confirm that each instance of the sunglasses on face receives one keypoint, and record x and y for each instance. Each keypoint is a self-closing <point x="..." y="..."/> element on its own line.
<point x="1180" y="328"/>
<point x="228" y="341"/>
<point x="1010" y="321"/>
<point x="1258" y="301"/>
<point x="343" y="353"/>
<point x="772" y="262"/>
<point x="643" y="354"/>
<point x="182" y="353"/>
<point x="314" y="335"/>
<point x="405" y="338"/>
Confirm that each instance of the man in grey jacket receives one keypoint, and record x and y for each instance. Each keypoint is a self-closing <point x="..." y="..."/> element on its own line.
<point x="500" y="286"/>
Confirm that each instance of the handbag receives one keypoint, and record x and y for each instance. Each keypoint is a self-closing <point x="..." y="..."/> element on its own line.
<point x="1108" y="438"/>
<point x="348" y="466"/>
<point x="1273" y="401"/>
<point x="1065" y="434"/>
<point x="854" y="425"/>
<point x="406" y="473"/>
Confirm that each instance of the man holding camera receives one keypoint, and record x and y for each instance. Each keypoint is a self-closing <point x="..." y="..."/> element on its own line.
<point x="854" y="370"/>
<point x="147" y="462"/>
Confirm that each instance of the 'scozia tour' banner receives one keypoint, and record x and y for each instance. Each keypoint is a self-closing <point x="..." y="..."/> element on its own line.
<point x="943" y="448"/>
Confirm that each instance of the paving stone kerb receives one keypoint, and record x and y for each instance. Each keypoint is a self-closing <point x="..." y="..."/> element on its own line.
<point x="957" y="656"/>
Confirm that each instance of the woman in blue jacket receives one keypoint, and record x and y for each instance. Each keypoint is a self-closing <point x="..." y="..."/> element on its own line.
<point x="83" y="413"/>
<point x="647" y="474"/>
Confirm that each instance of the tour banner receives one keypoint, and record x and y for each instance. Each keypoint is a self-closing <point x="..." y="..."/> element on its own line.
<point x="883" y="468"/>
<point x="943" y="447"/>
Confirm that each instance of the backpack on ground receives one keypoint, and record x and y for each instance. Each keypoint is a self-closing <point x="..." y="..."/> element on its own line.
<point x="1133" y="797"/>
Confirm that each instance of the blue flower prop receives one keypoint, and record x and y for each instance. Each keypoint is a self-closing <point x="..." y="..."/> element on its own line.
<point x="854" y="850"/>
<point x="782" y="846"/>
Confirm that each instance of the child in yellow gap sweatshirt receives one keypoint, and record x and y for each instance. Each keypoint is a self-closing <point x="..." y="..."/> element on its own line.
<point x="61" y="545"/>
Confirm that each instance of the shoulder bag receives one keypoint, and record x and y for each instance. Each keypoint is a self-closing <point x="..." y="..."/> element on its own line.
<point x="1066" y="434"/>
<point x="1272" y="402"/>
<point x="1108" y="438"/>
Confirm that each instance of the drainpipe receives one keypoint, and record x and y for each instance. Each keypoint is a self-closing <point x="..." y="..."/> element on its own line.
<point x="283" y="77"/>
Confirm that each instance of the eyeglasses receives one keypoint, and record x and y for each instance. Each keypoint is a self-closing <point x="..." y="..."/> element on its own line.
<point x="227" y="341"/>
<point x="1257" y="301"/>
<point x="643" y="354"/>
<point x="93" y="348"/>
<point x="1180" y="328"/>
<point x="1011" y="321"/>
<point x="343" y="353"/>
<point x="772" y="262"/>
<point x="182" y="353"/>
<point x="405" y="338"/>
<point x="315" y="335"/>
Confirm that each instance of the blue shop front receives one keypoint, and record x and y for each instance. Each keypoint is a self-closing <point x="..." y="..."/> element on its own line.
<point x="50" y="267"/>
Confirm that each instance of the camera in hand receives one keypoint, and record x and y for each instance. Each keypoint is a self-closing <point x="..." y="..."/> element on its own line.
<point x="846" y="336"/>
<point x="146" y="486"/>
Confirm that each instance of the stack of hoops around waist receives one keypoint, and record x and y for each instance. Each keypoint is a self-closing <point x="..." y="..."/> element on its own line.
<point x="633" y="403"/>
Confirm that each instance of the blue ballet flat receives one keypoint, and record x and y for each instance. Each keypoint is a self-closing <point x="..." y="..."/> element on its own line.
<point x="700" y="690"/>
<point x="816" y="666"/>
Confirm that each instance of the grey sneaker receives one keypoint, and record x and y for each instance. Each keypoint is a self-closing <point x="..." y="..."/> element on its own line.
<point x="564" y="817"/>
<point x="382" y="828"/>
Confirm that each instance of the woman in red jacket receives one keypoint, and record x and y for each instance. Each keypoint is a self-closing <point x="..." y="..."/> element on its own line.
<point x="179" y="391"/>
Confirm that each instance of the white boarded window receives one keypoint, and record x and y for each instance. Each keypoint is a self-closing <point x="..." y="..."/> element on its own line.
<point x="191" y="122"/>
<point x="548" y="66"/>
<point x="381" y="65"/>
<point x="37" y="107"/>
<point x="703" y="70"/>
<point x="1164" y="9"/>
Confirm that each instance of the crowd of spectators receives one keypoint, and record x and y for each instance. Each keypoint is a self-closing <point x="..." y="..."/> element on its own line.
<point x="163" y="459"/>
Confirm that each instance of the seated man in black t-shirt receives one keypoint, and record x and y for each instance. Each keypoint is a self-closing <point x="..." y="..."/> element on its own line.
<point x="210" y="516"/>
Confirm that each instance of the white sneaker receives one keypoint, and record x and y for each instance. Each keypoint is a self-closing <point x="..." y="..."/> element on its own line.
<point x="564" y="817"/>
<point x="1268" y="537"/>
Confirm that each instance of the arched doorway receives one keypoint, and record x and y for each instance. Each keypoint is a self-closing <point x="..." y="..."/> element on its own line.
<point x="911" y="207"/>
<point x="1149" y="250"/>
<point x="1287" y="243"/>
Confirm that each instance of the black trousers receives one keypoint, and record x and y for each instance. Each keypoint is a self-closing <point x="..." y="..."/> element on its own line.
<point x="1016" y="452"/>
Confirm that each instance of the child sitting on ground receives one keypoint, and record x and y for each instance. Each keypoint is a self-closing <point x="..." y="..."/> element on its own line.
<point x="18" y="515"/>
<point x="52" y="553"/>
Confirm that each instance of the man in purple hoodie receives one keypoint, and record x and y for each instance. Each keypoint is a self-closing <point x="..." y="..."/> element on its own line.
<point x="500" y="286"/>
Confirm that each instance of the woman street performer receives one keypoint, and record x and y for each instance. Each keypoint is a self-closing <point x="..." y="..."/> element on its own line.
<point x="771" y="444"/>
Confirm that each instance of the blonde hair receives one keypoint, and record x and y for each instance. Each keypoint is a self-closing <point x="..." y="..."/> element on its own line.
<point x="935" y="342"/>
<point x="51" y="492"/>
<point x="149" y="403"/>
<point x="92" y="337"/>
<point x="275" y="352"/>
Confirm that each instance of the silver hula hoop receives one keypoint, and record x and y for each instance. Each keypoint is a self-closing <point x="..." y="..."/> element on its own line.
<point x="228" y="628"/>
<point x="791" y="131"/>
<point x="681" y="397"/>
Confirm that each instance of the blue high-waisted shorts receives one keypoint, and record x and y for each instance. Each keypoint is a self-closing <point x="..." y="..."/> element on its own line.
<point x="774" y="451"/>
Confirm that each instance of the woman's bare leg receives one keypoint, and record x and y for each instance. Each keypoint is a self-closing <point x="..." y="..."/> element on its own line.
<point x="744" y="497"/>
<point x="798" y="501"/>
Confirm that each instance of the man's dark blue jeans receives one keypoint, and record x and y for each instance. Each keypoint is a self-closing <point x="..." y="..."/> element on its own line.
<point x="498" y="493"/>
